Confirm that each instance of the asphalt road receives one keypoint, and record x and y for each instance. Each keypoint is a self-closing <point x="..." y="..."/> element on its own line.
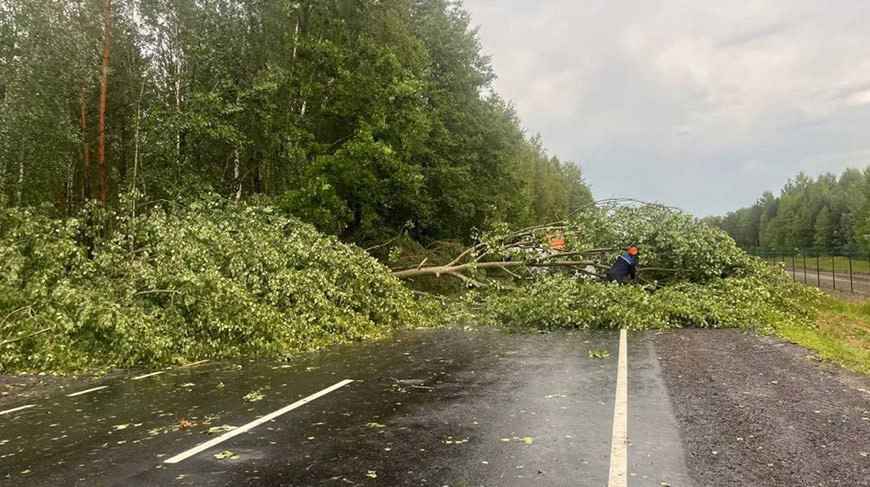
<point x="441" y="408"/>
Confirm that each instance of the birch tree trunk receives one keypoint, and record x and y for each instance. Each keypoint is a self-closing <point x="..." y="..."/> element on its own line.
<point x="2" y="177"/>
<point x="237" y="173"/>
<point x="86" y="148"/>
<point x="5" y="148"/>
<point x="19" y="197"/>
<point x="178" y="61"/>
<point x="292" y="102"/>
<point x="104" y="100"/>
<point x="70" y="189"/>
<point x="136" y="131"/>
<point x="295" y="39"/>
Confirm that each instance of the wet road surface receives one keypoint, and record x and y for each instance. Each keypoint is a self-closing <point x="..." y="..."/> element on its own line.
<point x="437" y="407"/>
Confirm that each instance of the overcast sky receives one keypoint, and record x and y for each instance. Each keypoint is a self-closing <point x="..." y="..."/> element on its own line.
<point x="702" y="104"/>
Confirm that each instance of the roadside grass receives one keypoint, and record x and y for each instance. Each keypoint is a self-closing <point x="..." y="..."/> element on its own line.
<point x="841" y="334"/>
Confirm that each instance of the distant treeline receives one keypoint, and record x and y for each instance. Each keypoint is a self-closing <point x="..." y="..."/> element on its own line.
<point x="828" y="214"/>
<point x="362" y="117"/>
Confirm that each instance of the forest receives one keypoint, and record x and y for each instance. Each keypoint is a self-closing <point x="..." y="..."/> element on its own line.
<point x="827" y="215"/>
<point x="364" y="118"/>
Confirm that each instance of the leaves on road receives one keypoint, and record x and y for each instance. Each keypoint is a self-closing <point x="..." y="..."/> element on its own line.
<point x="254" y="396"/>
<point x="215" y="430"/>
<point x="599" y="354"/>
<point x="526" y="440"/>
<point x="226" y="455"/>
<point x="452" y="441"/>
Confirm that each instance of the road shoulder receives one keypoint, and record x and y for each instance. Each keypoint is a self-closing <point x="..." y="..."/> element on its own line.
<point x="758" y="411"/>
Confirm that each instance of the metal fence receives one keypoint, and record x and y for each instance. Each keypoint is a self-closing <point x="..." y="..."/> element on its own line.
<point x="843" y="272"/>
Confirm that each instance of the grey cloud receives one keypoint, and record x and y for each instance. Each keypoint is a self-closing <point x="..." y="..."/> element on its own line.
<point x="696" y="103"/>
<point x="753" y="36"/>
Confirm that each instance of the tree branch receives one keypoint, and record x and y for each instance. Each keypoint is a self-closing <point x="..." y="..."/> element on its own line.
<point x="378" y="246"/>
<point x="40" y="332"/>
<point x="157" y="291"/>
<point x="6" y="318"/>
<point x="513" y="274"/>
<point x="466" y="279"/>
<point x="448" y="269"/>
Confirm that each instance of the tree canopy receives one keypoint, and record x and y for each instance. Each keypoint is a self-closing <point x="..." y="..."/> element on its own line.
<point x="824" y="214"/>
<point x="364" y="118"/>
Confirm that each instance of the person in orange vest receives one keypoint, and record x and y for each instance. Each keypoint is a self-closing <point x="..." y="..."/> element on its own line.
<point x="625" y="267"/>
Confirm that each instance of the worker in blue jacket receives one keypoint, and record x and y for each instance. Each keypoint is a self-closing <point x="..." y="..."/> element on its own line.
<point x="625" y="267"/>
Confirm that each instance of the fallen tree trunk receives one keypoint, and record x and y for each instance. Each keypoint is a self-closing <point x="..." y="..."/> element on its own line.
<point x="459" y="268"/>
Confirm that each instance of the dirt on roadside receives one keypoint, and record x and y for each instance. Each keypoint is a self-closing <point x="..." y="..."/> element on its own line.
<point x="755" y="411"/>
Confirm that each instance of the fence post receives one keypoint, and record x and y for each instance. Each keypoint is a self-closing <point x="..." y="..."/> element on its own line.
<point x="805" y="268"/>
<point x="793" y="269"/>
<point x="834" y="271"/>
<point x="851" y="281"/>
<point x="818" y="272"/>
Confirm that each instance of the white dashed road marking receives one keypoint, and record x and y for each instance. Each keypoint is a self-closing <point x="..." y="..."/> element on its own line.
<point x="13" y="410"/>
<point x="88" y="391"/>
<point x="152" y="374"/>
<point x="619" y="444"/>
<point x="253" y="424"/>
<point x="194" y="364"/>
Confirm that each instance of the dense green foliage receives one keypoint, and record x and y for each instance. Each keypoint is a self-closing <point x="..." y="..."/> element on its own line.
<point x="759" y="303"/>
<point x="674" y="242"/>
<point x="362" y="117"/>
<point x="206" y="280"/>
<point x="826" y="215"/>
<point x="216" y="279"/>
<point x="708" y="282"/>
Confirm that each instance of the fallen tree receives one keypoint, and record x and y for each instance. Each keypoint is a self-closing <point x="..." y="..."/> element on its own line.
<point x="213" y="279"/>
<point x="693" y="275"/>
<point x="590" y="239"/>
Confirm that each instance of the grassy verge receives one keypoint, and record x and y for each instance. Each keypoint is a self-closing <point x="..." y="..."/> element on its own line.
<point x="841" y="335"/>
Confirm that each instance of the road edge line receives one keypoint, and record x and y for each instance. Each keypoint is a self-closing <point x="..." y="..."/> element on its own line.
<point x="619" y="442"/>
<point x="253" y="424"/>
<point x="15" y="410"/>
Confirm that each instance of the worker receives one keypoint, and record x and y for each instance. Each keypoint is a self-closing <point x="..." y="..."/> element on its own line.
<point x="625" y="267"/>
